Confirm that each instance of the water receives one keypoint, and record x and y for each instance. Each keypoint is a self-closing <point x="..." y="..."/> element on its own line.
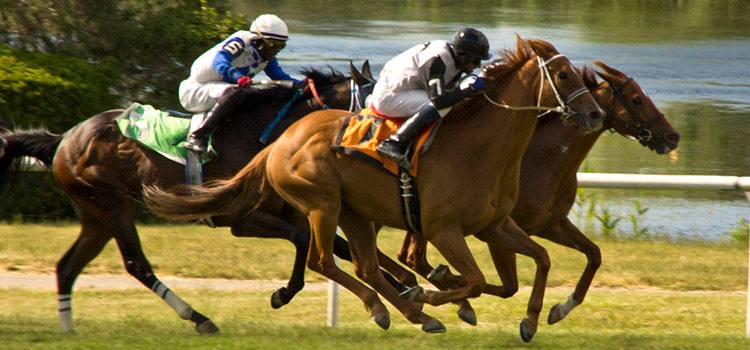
<point x="691" y="57"/>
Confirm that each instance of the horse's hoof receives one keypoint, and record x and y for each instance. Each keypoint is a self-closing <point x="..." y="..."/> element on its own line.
<point x="412" y="293"/>
<point x="276" y="300"/>
<point x="527" y="331"/>
<point x="556" y="314"/>
<point x="468" y="316"/>
<point x="207" y="327"/>
<point x="433" y="326"/>
<point x="437" y="274"/>
<point x="381" y="316"/>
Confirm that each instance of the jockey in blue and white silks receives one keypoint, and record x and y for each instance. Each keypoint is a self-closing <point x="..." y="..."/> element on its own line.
<point x="424" y="79"/>
<point x="235" y="60"/>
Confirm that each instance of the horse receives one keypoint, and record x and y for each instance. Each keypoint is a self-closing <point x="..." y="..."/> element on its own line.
<point x="332" y="189"/>
<point x="103" y="173"/>
<point x="549" y="186"/>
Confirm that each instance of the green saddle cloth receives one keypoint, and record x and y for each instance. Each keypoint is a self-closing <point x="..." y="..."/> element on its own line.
<point x="158" y="131"/>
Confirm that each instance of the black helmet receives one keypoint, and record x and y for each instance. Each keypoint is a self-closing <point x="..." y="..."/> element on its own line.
<point x="471" y="42"/>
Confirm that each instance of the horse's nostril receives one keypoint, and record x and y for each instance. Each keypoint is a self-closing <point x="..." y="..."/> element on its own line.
<point x="595" y="115"/>
<point x="673" y="137"/>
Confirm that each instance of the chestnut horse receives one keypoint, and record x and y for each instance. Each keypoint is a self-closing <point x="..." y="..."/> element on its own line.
<point x="334" y="189"/>
<point x="103" y="173"/>
<point x="548" y="181"/>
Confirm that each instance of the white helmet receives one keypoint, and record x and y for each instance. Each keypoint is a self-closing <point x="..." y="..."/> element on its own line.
<point x="270" y="27"/>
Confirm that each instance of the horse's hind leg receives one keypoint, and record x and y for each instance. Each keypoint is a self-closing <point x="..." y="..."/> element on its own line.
<point x="565" y="233"/>
<point x="137" y="265"/>
<point x="362" y="240"/>
<point x="258" y="224"/>
<point x="89" y="244"/>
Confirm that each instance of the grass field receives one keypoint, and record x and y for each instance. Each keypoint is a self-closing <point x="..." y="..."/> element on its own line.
<point x="649" y="295"/>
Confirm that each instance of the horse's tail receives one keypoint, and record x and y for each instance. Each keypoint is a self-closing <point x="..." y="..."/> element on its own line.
<point x="38" y="143"/>
<point x="233" y="197"/>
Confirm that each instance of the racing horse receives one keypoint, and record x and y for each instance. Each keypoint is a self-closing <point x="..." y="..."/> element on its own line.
<point x="103" y="173"/>
<point x="468" y="183"/>
<point x="549" y="186"/>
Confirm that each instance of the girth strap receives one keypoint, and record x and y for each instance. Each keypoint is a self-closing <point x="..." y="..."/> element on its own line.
<point x="409" y="201"/>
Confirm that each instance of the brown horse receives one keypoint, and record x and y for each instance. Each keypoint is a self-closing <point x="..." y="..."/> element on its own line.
<point x="103" y="173"/>
<point x="468" y="182"/>
<point x="548" y="181"/>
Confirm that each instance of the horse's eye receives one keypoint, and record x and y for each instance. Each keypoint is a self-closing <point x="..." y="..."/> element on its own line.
<point x="562" y="75"/>
<point x="637" y="100"/>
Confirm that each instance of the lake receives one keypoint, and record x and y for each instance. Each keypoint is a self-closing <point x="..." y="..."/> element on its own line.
<point x="691" y="56"/>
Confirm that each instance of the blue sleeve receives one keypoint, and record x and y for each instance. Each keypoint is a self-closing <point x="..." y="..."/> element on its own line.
<point x="274" y="71"/>
<point x="223" y="60"/>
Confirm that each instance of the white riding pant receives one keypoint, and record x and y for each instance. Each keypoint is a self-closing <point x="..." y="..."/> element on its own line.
<point x="399" y="104"/>
<point x="200" y="97"/>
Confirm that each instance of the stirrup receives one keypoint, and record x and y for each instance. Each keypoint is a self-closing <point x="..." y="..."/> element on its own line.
<point x="195" y="144"/>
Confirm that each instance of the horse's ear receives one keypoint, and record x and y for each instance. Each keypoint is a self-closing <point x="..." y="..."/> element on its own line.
<point x="366" y="71"/>
<point x="610" y="74"/>
<point x="356" y="75"/>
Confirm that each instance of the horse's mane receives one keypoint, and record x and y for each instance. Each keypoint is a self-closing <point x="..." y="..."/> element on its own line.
<point x="322" y="79"/>
<point x="266" y="95"/>
<point x="510" y="60"/>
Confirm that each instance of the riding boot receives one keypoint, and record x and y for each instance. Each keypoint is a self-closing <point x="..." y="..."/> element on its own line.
<point x="227" y="104"/>
<point x="397" y="144"/>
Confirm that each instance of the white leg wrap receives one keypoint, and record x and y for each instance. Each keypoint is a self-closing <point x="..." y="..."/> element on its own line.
<point x="569" y="304"/>
<point x="178" y="305"/>
<point x="65" y="312"/>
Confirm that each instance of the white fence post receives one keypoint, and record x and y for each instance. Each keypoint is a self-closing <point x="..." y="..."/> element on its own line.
<point x="747" y="308"/>
<point x="333" y="297"/>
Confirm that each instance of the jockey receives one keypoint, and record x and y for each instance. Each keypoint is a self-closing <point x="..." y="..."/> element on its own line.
<point x="425" y="79"/>
<point x="233" y="61"/>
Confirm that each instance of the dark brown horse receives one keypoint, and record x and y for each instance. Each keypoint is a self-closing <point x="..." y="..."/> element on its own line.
<point x="103" y="173"/>
<point x="468" y="183"/>
<point x="548" y="180"/>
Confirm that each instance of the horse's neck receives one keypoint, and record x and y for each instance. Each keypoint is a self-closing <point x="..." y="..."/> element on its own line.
<point x="559" y="147"/>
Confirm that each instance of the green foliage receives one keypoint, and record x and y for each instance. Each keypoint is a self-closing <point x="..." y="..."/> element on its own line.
<point x="635" y="219"/>
<point x="740" y="232"/>
<point x="608" y="222"/>
<point x="150" y="44"/>
<point x="54" y="91"/>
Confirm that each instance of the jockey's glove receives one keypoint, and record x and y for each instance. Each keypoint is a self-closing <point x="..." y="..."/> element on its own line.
<point x="244" y="81"/>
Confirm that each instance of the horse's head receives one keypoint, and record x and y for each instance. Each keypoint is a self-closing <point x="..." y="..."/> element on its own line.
<point x="562" y="86"/>
<point x="334" y="90"/>
<point x="632" y="113"/>
<point x="363" y="81"/>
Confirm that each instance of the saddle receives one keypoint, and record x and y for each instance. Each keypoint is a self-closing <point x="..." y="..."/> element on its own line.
<point x="360" y="134"/>
<point x="358" y="137"/>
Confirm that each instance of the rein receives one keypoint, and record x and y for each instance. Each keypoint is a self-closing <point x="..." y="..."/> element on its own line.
<point x="562" y="106"/>
<point x="311" y="86"/>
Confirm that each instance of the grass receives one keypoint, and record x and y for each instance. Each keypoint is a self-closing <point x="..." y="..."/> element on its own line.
<point x="198" y="251"/>
<point x="135" y="319"/>
<point x="667" y="295"/>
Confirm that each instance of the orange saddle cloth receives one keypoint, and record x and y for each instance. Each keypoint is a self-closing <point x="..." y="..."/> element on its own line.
<point x="360" y="135"/>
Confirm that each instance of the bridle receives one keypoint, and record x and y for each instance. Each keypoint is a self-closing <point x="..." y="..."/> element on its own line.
<point x="562" y="105"/>
<point x="641" y="129"/>
<point x="356" y="95"/>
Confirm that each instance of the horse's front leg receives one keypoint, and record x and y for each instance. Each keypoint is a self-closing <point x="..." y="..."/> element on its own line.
<point x="565" y="233"/>
<point x="505" y="237"/>
<point x="259" y="224"/>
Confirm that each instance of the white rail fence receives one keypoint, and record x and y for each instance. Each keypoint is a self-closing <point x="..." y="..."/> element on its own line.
<point x="598" y="180"/>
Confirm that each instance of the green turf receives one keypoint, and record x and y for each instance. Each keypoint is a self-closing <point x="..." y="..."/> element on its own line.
<point x="136" y="319"/>
<point x="198" y="251"/>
